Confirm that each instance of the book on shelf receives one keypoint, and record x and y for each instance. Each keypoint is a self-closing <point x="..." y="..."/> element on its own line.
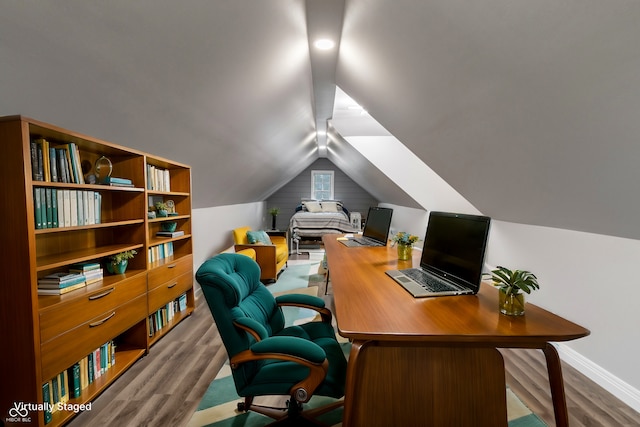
<point x="54" y="208"/>
<point x="46" y="399"/>
<point x="112" y="180"/>
<point x="69" y="383"/>
<point x="158" y="179"/>
<point x="83" y="267"/>
<point x="62" y="278"/>
<point x="170" y="233"/>
<point x="60" y="291"/>
<point x="161" y="317"/>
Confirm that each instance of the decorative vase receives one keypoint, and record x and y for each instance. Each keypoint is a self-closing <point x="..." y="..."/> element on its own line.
<point x="273" y="222"/>
<point x="162" y="213"/>
<point x="405" y="252"/>
<point x="169" y="226"/>
<point x="119" y="268"/>
<point x="511" y="304"/>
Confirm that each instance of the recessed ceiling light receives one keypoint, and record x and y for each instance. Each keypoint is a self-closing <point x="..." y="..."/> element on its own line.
<point x="324" y="44"/>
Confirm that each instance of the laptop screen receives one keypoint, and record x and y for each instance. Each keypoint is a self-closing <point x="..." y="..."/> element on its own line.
<point x="378" y="224"/>
<point x="455" y="246"/>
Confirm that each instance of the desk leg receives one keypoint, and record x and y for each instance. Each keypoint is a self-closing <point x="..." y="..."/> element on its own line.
<point x="557" y="385"/>
<point x="350" y="385"/>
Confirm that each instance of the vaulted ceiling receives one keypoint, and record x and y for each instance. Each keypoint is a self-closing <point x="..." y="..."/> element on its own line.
<point x="528" y="111"/>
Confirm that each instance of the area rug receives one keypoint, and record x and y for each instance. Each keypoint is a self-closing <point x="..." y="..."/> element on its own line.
<point x="218" y="407"/>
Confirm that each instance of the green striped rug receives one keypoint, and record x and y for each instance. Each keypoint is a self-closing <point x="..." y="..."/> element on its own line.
<point x="218" y="407"/>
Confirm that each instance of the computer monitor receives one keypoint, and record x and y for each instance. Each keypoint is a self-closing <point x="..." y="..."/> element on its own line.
<point x="378" y="224"/>
<point x="455" y="245"/>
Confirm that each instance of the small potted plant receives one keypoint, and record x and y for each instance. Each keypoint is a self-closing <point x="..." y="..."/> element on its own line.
<point x="405" y="242"/>
<point x="511" y="286"/>
<point x="274" y="214"/>
<point x="118" y="263"/>
<point x="162" y="209"/>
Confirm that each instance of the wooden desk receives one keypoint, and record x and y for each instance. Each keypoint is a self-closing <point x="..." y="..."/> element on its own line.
<point x="431" y="361"/>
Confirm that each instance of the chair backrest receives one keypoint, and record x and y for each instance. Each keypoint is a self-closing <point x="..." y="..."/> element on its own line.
<point x="240" y="235"/>
<point x="231" y="285"/>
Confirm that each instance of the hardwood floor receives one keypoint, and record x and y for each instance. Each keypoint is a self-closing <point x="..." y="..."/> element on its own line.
<point x="165" y="387"/>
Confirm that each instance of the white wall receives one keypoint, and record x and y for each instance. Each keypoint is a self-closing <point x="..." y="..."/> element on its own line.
<point x="212" y="227"/>
<point x="410" y="220"/>
<point x="590" y="279"/>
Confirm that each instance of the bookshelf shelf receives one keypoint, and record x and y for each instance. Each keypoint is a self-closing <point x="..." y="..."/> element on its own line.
<point x="51" y="178"/>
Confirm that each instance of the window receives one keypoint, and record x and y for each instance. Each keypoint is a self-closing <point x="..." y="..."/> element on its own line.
<point x="322" y="185"/>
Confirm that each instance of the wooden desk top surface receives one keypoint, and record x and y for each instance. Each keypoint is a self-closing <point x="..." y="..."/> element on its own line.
<point x="370" y="305"/>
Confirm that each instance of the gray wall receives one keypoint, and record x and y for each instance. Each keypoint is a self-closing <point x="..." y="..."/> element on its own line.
<point x="354" y="197"/>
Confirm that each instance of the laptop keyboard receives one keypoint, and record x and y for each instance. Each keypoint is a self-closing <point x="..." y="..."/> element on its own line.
<point x="427" y="281"/>
<point x="367" y="242"/>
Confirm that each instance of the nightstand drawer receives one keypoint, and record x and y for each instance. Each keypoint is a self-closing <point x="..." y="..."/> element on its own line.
<point x="169" y="291"/>
<point x="68" y="315"/>
<point x="169" y="271"/>
<point x="62" y="352"/>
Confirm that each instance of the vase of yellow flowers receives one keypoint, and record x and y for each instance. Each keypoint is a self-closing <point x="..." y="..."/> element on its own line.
<point x="404" y="241"/>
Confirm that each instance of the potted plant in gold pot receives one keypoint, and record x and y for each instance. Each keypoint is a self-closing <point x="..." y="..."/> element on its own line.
<point x="512" y="286"/>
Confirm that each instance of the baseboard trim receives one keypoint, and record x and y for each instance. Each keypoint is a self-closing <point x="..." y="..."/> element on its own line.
<point x="614" y="385"/>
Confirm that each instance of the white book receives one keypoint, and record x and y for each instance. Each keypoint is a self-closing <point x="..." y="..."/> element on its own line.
<point x="80" y="206"/>
<point x="66" y="207"/>
<point x="91" y="206"/>
<point x="60" y="200"/>
<point x="73" y="198"/>
<point x="98" y="206"/>
<point x="85" y="207"/>
<point x="167" y="180"/>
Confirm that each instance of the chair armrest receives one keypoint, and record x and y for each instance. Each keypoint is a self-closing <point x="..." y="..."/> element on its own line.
<point x="264" y="253"/>
<point x="291" y="346"/>
<point x="306" y="301"/>
<point x="254" y="328"/>
<point x="290" y="349"/>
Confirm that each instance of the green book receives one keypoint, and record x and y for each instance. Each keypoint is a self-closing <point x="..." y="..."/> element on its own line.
<point x="54" y="208"/>
<point x="63" y="387"/>
<point x="74" y="381"/>
<point x="90" y="363"/>
<point x="46" y="399"/>
<point x="37" y="207"/>
<point x="55" y="395"/>
<point x="48" y="208"/>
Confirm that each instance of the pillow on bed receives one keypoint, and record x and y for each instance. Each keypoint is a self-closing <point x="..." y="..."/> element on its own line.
<point x="258" y="237"/>
<point x="313" y="207"/>
<point x="329" y="207"/>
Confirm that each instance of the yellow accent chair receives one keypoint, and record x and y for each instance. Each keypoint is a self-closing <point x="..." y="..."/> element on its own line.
<point x="271" y="256"/>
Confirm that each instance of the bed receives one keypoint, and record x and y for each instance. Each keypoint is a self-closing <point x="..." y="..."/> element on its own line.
<point x="314" y="219"/>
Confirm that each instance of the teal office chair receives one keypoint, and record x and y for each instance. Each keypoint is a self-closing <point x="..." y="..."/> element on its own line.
<point x="266" y="357"/>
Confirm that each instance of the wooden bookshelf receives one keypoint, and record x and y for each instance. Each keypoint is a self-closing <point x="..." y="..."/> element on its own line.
<point x="43" y="336"/>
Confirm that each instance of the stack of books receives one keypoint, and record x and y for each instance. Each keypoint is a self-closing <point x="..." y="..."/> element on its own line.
<point x="91" y="271"/>
<point x="177" y="233"/>
<point x="118" y="182"/>
<point x="60" y="283"/>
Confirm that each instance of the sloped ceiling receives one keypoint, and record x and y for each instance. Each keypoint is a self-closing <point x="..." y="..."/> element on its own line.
<point x="529" y="110"/>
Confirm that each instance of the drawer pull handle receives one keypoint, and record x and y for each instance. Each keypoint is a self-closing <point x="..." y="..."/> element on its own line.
<point x="171" y="265"/>
<point x="103" y="294"/>
<point x="172" y="285"/>
<point x="100" y="322"/>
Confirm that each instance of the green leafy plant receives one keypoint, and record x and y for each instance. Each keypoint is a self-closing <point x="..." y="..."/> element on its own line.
<point x="404" y="238"/>
<point x="118" y="258"/>
<point x="161" y="206"/>
<point x="512" y="282"/>
<point x="274" y="211"/>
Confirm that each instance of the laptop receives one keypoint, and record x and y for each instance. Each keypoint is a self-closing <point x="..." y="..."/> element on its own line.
<point x="376" y="229"/>
<point x="452" y="257"/>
